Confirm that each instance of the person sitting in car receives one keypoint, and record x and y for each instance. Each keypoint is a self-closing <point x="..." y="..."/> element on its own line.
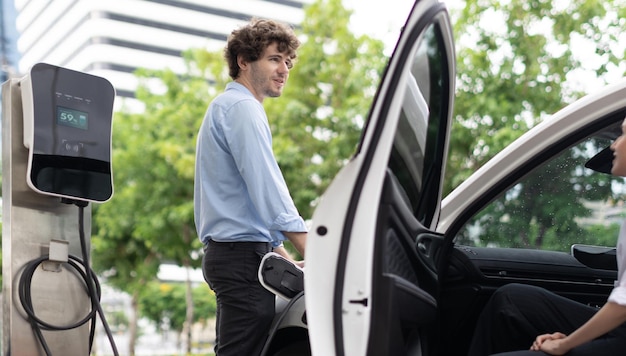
<point x="525" y="320"/>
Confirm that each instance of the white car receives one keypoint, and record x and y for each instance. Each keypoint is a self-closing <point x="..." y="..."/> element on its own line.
<point x="394" y="269"/>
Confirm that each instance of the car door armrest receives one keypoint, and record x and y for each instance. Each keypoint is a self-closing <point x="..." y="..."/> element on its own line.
<point x="598" y="257"/>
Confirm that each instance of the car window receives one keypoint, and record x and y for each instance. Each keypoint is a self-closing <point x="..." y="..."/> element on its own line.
<point x="556" y="205"/>
<point x="415" y="159"/>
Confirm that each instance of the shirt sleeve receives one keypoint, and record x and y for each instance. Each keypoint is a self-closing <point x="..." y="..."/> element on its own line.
<point x="249" y="138"/>
<point x="618" y="294"/>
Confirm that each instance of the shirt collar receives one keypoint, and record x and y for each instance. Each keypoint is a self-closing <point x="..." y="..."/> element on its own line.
<point x="238" y="87"/>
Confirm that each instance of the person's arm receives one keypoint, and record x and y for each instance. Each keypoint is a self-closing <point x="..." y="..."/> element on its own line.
<point x="610" y="316"/>
<point x="298" y="239"/>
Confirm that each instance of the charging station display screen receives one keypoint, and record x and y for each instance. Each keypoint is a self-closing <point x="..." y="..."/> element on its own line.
<point x="72" y="118"/>
<point x="70" y="153"/>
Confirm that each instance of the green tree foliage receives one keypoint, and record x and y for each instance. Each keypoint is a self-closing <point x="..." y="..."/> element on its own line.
<point x="516" y="65"/>
<point x="150" y="216"/>
<point x="153" y="165"/>
<point x="318" y="120"/>
<point x="545" y="209"/>
<point x="117" y="320"/>
<point x="602" y="235"/>
<point x="165" y="304"/>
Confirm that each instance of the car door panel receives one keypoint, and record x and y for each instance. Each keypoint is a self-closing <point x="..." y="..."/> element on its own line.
<point x="598" y="257"/>
<point x="428" y="251"/>
<point x="406" y="246"/>
<point x="379" y="284"/>
<point x="474" y="273"/>
<point x="496" y="266"/>
<point x="403" y="291"/>
<point x="404" y="281"/>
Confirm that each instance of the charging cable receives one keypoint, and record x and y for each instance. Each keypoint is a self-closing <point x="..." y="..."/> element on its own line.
<point x="89" y="277"/>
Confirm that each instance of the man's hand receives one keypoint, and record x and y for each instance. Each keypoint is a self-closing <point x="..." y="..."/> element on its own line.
<point x="283" y="252"/>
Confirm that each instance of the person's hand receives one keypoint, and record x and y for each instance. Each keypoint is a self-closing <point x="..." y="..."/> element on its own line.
<point x="550" y="343"/>
<point x="299" y="263"/>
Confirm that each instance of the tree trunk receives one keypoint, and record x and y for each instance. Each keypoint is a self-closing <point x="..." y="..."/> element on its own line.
<point x="132" y="327"/>
<point x="189" y="296"/>
<point x="189" y="316"/>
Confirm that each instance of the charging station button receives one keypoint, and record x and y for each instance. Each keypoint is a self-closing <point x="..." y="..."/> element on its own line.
<point x="73" y="148"/>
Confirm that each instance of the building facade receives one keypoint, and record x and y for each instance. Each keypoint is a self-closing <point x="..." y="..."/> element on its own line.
<point x="8" y="40"/>
<point x="114" y="38"/>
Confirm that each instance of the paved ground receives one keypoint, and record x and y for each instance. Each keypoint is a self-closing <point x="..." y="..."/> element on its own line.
<point x="147" y="345"/>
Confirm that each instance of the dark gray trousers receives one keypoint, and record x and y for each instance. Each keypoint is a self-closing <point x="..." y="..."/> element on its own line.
<point x="245" y="309"/>
<point x="516" y="314"/>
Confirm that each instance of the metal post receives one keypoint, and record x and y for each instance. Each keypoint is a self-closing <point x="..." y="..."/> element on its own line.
<point x="30" y="221"/>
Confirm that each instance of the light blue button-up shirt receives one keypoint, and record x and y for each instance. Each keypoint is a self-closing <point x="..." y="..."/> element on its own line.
<point x="239" y="192"/>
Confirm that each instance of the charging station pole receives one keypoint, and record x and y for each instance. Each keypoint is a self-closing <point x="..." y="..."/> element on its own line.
<point x="35" y="225"/>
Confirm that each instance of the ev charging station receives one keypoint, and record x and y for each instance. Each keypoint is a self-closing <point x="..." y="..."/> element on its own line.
<point x="56" y="158"/>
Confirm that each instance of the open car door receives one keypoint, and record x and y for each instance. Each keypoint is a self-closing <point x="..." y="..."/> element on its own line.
<point x="371" y="276"/>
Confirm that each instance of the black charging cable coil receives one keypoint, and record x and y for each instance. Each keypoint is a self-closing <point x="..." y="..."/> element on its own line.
<point x="81" y="266"/>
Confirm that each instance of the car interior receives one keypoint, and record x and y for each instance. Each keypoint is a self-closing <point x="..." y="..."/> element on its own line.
<point x="575" y="212"/>
<point x="552" y="223"/>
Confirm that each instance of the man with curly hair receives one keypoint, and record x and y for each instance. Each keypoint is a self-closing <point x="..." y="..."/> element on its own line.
<point x="243" y="208"/>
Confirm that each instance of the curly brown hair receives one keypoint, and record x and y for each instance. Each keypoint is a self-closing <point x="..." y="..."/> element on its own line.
<point x="252" y="39"/>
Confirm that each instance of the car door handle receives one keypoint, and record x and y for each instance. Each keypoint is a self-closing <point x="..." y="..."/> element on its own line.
<point x="423" y="247"/>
